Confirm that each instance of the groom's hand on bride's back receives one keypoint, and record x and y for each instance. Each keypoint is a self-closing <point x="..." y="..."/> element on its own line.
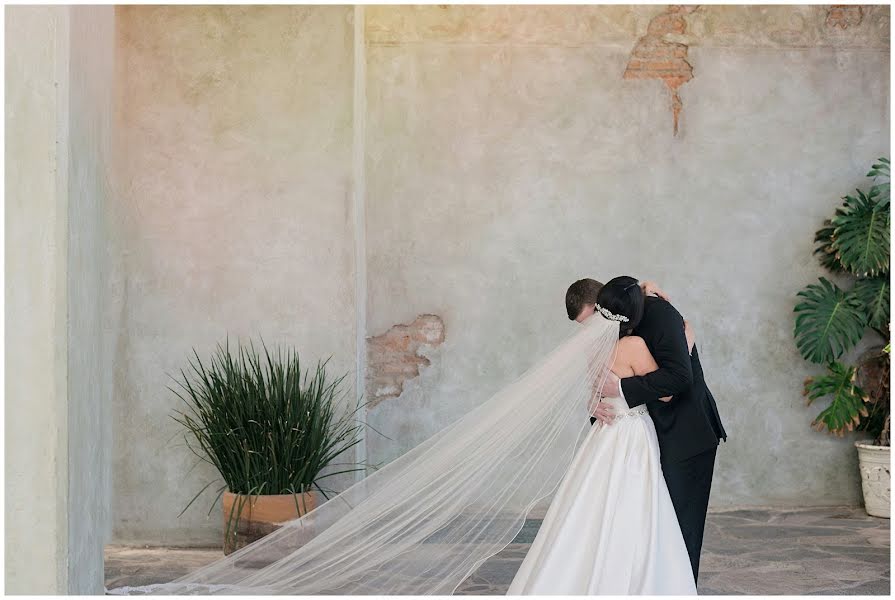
<point x="651" y="289"/>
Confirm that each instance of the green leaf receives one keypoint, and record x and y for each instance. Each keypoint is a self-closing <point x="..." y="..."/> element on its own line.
<point x="829" y="322"/>
<point x="847" y="405"/>
<point x="861" y="234"/>
<point x="265" y="423"/>
<point x="879" y="194"/>
<point x="880" y="169"/>
<point x="874" y="295"/>
<point x="825" y="251"/>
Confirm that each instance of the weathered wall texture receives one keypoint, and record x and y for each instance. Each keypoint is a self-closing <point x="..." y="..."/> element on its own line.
<point x="398" y="355"/>
<point x="234" y="215"/>
<point x="512" y="150"/>
<point x="508" y="151"/>
<point x="59" y="90"/>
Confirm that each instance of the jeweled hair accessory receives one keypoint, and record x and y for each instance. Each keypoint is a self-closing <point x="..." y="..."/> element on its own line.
<point x="611" y="316"/>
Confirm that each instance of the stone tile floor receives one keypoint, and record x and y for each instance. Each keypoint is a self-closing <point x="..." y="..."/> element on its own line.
<point x="819" y="551"/>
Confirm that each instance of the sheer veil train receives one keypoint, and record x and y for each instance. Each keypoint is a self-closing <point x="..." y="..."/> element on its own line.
<point x="423" y="523"/>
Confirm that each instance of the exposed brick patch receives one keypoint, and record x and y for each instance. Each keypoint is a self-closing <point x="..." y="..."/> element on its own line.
<point x="656" y="58"/>
<point x="394" y="357"/>
<point x="844" y="16"/>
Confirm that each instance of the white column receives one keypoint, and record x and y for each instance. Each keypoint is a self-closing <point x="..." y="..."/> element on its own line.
<point x="36" y="300"/>
<point x="359" y="186"/>
<point x="53" y="401"/>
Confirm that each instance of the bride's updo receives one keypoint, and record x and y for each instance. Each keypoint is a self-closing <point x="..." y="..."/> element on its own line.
<point x="623" y="296"/>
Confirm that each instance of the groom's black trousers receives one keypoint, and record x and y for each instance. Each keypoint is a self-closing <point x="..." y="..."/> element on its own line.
<point x="689" y="483"/>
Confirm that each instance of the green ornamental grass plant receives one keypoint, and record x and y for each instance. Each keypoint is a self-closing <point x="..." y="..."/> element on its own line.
<point x="264" y="425"/>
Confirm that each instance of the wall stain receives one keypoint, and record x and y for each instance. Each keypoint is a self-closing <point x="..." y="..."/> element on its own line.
<point x="844" y="16"/>
<point x="394" y="356"/>
<point x="654" y="57"/>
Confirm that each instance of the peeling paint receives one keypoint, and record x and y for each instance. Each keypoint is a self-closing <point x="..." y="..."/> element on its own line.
<point x="654" y="57"/>
<point x="844" y="16"/>
<point x="394" y="357"/>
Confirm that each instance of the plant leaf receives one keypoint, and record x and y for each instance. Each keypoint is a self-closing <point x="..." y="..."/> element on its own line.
<point x="847" y="405"/>
<point x="266" y="425"/>
<point x="873" y="376"/>
<point x="829" y="322"/>
<point x="825" y="251"/>
<point x="874" y="295"/>
<point x="882" y="193"/>
<point x="861" y="234"/>
<point x="881" y="169"/>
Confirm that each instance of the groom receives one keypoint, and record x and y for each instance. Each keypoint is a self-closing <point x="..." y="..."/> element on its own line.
<point x="688" y="427"/>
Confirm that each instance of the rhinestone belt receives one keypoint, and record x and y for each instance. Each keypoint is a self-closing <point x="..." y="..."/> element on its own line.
<point x="634" y="412"/>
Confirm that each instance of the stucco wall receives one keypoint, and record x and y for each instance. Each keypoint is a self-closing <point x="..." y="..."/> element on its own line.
<point x="506" y="152"/>
<point x="59" y="88"/>
<point x="234" y="214"/>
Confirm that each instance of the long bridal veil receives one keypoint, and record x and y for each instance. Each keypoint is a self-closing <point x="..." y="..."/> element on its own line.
<point x="426" y="521"/>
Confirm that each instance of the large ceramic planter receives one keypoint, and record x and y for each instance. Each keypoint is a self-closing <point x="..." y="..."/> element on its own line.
<point x="256" y="516"/>
<point x="875" y="478"/>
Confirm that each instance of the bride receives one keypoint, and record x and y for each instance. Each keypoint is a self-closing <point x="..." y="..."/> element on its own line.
<point x="426" y="521"/>
<point x="612" y="529"/>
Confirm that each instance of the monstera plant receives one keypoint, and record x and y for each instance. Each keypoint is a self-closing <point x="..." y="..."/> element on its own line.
<point x="832" y="319"/>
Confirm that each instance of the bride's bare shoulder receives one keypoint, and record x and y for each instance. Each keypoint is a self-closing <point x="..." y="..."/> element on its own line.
<point x="629" y="357"/>
<point x="633" y="352"/>
<point x="632" y="344"/>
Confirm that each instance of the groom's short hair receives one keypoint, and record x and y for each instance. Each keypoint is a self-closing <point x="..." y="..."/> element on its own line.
<point x="580" y="294"/>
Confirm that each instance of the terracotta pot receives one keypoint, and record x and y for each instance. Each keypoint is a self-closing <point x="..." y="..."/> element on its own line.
<point x="875" y="478"/>
<point x="252" y="517"/>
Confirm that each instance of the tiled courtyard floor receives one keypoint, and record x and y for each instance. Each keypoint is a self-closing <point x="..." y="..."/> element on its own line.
<point x="824" y="551"/>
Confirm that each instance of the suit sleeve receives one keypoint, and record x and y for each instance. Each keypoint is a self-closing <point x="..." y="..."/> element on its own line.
<point x="669" y="348"/>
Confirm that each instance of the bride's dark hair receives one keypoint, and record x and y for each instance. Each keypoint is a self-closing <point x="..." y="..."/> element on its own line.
<point x="623" y="296"/>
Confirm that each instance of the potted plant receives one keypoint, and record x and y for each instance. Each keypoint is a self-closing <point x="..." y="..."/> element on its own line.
<point x="269" y="430"/>
<point x="831" y="321"/>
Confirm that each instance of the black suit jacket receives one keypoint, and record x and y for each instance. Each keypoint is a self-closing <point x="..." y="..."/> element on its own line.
<point x="689" y="423"/>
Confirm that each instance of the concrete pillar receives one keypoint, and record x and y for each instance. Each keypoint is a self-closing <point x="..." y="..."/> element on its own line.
<point x="58" y="100"/>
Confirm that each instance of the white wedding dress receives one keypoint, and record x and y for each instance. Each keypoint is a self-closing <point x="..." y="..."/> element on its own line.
<point x="611" y="527"/>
